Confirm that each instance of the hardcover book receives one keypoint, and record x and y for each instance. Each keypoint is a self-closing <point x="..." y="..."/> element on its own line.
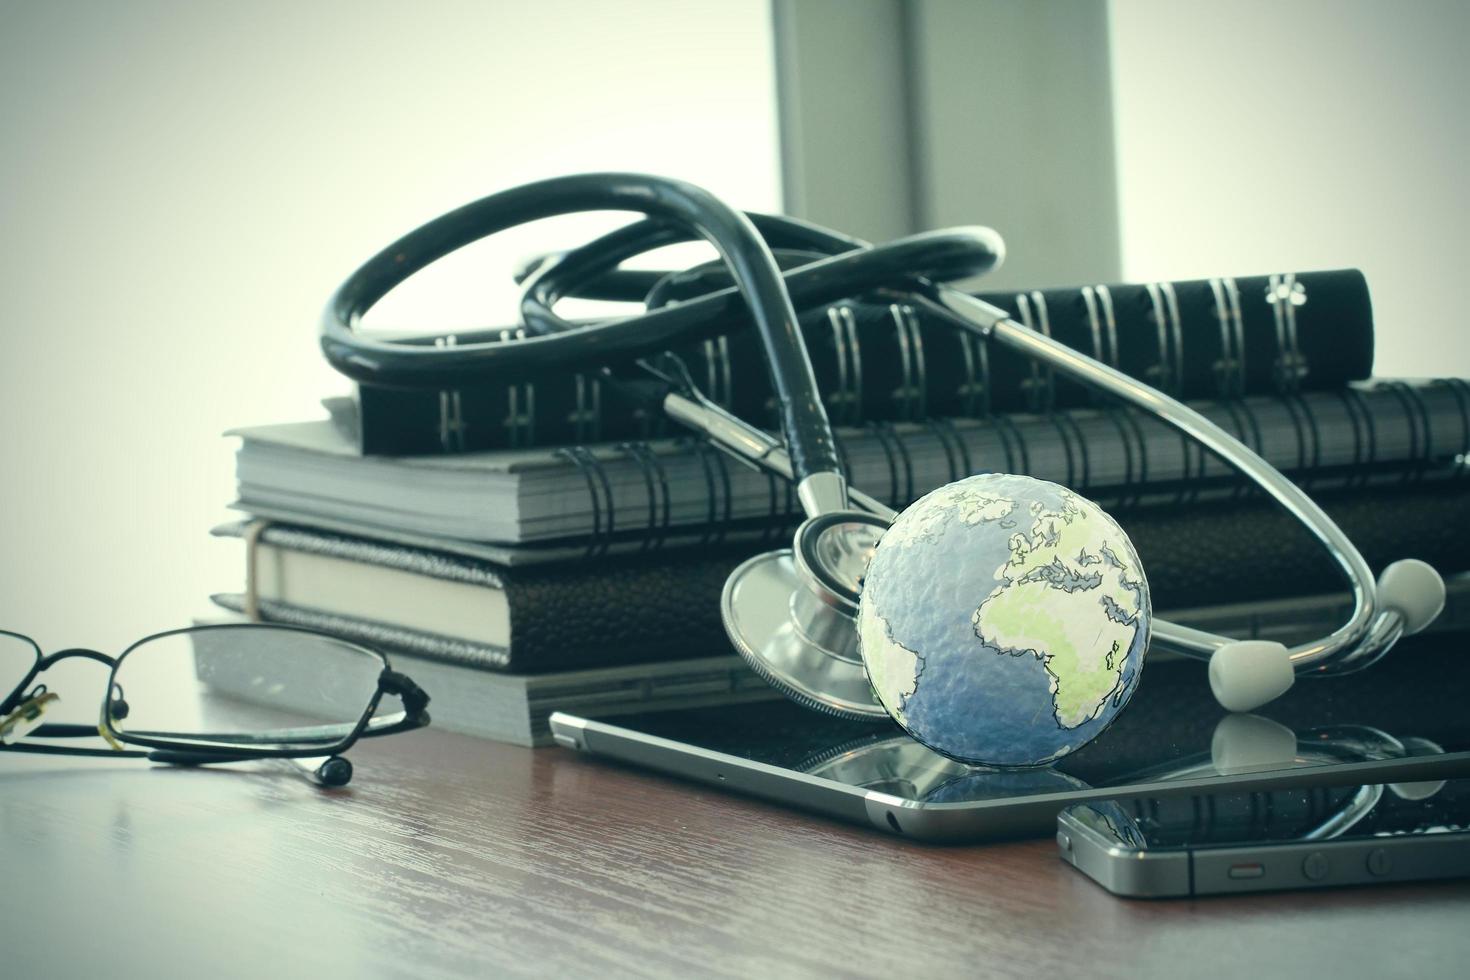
<point x="1379" y="434"/>
<point x="542" y="617"/>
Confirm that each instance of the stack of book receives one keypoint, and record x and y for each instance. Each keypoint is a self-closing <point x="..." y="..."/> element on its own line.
<point x="531" y="548"/>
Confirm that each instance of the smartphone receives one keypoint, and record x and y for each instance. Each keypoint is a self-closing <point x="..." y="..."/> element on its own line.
<point x="1273" y="840"/>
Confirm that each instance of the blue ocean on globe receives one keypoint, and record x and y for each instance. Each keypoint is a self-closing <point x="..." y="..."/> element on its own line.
<point x="1003" y="620"/>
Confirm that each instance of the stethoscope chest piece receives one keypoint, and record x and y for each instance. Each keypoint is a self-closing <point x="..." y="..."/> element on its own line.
<point x="790" y="614"/>
<point x="1003" y="620"/>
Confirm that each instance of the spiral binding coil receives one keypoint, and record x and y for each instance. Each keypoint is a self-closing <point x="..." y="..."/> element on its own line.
<point x="1102" y="323"/>
<point x="845" y="401"/>
<point x="1041" y="386"/>
<point x="1168" y="373"/>
<point x="599" y="496"/>
<point x="1122" y="422"/>
<point x="1292" y="430"/>
<point x="1285" y="294"/>
<point x="719" y="385"/>
<point x="1460" y="390"/>
<point x="656" y="482"/>
<point x="912" y="394"/>
<point x="717" y="485"/>
<point x="956" y="456"/>
<point x="1243" y="423"/>
<point x="1229" y="367"/>
<point x="974" y="392"/>
<point x="586" y="417"/>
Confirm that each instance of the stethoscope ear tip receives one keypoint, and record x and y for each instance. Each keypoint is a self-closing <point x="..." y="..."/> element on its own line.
<point x="1424" y="789"/>
<point x="1249" y="673"/>
<point x="1414" y="590"/>
<point x="1249" y="743"/>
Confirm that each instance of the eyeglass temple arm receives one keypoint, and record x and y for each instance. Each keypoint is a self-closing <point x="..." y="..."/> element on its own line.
<point x="324" y="771"/>
<point x="415" y="702"/>
<point x="40" y="749"/>
<point x="331" y="770"/>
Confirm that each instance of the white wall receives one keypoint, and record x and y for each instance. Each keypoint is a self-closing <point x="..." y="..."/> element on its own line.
<point x="183" y="184"/>
<point x="1262" y="136"/>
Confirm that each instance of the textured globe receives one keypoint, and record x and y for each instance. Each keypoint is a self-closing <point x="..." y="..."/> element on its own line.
<point x="1003" y="620"/>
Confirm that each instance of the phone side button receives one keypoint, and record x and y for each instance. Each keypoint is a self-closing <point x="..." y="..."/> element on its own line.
<point x="1316" y="866"/>
<point x="1250" y="869"/>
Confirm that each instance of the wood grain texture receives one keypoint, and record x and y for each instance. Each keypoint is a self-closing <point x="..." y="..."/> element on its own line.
<point x="450" y="857"/>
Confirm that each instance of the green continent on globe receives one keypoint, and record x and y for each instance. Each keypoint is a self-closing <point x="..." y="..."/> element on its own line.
<point x="1069" y="597"/>
<point x="895" y="673"/>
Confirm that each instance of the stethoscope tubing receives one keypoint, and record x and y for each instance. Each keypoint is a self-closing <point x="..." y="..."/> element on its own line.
<point x="913" y="269"/>
<point x="756" y="276"/>
<point x="965" y="312"/>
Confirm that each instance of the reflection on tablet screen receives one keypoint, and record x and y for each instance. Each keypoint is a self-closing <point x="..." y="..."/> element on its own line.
<point x="1410" y="704"/>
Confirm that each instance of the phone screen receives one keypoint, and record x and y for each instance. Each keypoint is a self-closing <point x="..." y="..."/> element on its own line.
<point x="1280" y="816"/>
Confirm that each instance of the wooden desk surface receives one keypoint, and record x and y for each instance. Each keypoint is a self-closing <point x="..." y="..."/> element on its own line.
<point x="450" y="857"/>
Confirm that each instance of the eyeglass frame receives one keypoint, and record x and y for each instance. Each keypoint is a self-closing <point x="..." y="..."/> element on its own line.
<point x="178" y="752"/>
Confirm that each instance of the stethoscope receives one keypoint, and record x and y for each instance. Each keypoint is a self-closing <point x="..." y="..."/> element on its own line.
<point x="791" y="612"/>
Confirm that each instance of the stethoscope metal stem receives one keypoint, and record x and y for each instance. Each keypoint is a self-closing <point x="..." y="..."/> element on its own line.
<point x="992" y="323"/>
<point x="1368" y="632"/>
<point x="752" y="446"/>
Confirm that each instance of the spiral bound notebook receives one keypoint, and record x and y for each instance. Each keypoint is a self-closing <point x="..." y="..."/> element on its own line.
<point x="1388" y="432"/>
<point x="435" y="600"/>
<point x="1206" y="338"/>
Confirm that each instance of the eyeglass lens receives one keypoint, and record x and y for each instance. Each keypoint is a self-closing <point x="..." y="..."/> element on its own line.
<point x="253" y="685"/>
<point x="17" y="657"/>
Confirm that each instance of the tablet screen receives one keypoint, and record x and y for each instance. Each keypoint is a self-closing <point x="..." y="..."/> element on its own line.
<point x="1413" y="703"/>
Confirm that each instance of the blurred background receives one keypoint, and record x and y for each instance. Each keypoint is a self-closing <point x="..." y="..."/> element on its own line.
<point x="184" y="184"/>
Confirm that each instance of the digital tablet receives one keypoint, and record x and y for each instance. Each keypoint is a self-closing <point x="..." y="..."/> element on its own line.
<point x="1403" y="721"/>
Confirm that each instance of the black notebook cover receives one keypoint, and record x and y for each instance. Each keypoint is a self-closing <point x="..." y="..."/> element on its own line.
<point x="666" y="606"/>
<point x="877" y="362"/>
<point x="632" y="609"/>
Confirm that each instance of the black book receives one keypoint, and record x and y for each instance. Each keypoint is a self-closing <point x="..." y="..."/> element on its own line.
<point x="515" y="708"/>
<point x="877" y="362"/>
<point x="462" y="608"/>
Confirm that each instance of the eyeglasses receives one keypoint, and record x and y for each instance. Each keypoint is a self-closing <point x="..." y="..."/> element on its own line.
<point x="209" y="694"/>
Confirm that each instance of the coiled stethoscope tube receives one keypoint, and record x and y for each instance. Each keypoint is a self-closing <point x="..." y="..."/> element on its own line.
<point x="914" y="270"/>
